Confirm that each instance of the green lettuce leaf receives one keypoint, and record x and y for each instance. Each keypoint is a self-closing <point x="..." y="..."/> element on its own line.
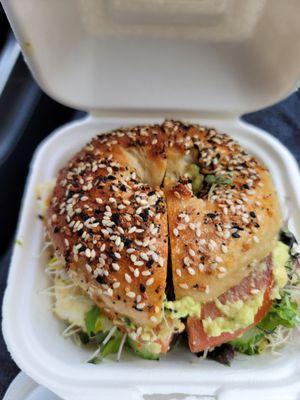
<point x="251" y="342"/>
<point x="283" y="312"/>
<point x="112" y="346"/>
<point x="92" y="320"/>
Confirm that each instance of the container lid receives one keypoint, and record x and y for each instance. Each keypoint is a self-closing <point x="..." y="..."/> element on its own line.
<point x="209" y="56"/>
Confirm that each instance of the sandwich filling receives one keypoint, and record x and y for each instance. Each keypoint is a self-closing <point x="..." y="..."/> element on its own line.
<point x="86" y="323"/>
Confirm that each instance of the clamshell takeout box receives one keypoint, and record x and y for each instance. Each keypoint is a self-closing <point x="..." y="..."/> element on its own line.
<point x="139" y="61"/>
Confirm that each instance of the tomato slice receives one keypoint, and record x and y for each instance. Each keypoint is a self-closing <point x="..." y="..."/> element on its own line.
<point x="199" y="341"/>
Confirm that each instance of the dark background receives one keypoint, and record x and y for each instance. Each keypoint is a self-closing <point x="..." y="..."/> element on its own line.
<point x="27" y="116"/>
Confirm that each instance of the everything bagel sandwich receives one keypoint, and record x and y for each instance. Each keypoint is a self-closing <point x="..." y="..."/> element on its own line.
<point x="159" y="228"/>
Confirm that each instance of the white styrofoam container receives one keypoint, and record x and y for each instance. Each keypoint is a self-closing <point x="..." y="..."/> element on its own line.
<point x="122" y="72"/>
<point x="33" y="334"/>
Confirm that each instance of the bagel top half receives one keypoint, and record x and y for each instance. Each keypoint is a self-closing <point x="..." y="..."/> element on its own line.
<point x="107" y="217"/>
<point x="219" y="236"/>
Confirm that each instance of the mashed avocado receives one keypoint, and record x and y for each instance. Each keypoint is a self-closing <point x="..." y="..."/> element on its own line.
<point x="149" y="351"/>
<point x="241" y="314"/>
<point x="237" y="315"/>
<point x="185" y="307"/>
<point x="280" y="258"/>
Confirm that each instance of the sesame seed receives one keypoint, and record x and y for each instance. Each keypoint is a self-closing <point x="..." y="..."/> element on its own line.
<point x="115" y="266"/>
<point x="138" y="299"/>
<point x="175" y="231"/>
<point x="186" y="261"/>
<point x="109" y="292"/>
<point x="117" y="255"/>
<point x="88" y="252"/>
<point x="218" y="259"/>
<point x="140" y="306"/>
<point x="192" y="226"/>
<point x="146" y="273"/>
<point x="213" y="243"/>
<point x="149" y="282"/>
<point x="192" y="253"/>
<point x="198" y="232"/>
<point x="132" y="229"/>
<point x="139" y="263"/>
<point x="178" y="272"/>
<point x="116" y="285"/>
<point x="254" y="291"/>
<point x="144" y="256"/>
<point x="191" y="271"/>
<point x="183" y="285"/>
<point x="224" y="249"/>
<point x="121" y="230"/>
<point x="136" y="273"/>
<point x="201" y="267"/>
<point x="226" y="234"/>
<point x="128" y="278"/>
<point x="161" y="261"/>
<point x="93" y="253"/>
<point x="153" y="319"/>
<point x="130" y="294"/>
<point x="132" y="257"/>
<point x="155" y="257"/>
<point x="88" y="267"/>
<point x="256" y="239"/>
<point x="102" y="248"/>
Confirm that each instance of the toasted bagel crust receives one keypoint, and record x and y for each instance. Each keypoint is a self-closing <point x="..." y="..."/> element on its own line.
<point x="107" y="219"/>
<point x="216" y="239"/>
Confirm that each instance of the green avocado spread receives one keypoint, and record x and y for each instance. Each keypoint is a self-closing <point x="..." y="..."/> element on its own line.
<point x="237" y="315"/>
<point x="185" y="307"/>
<point x="240" y="314"/>
<point x="280" y="258"/>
